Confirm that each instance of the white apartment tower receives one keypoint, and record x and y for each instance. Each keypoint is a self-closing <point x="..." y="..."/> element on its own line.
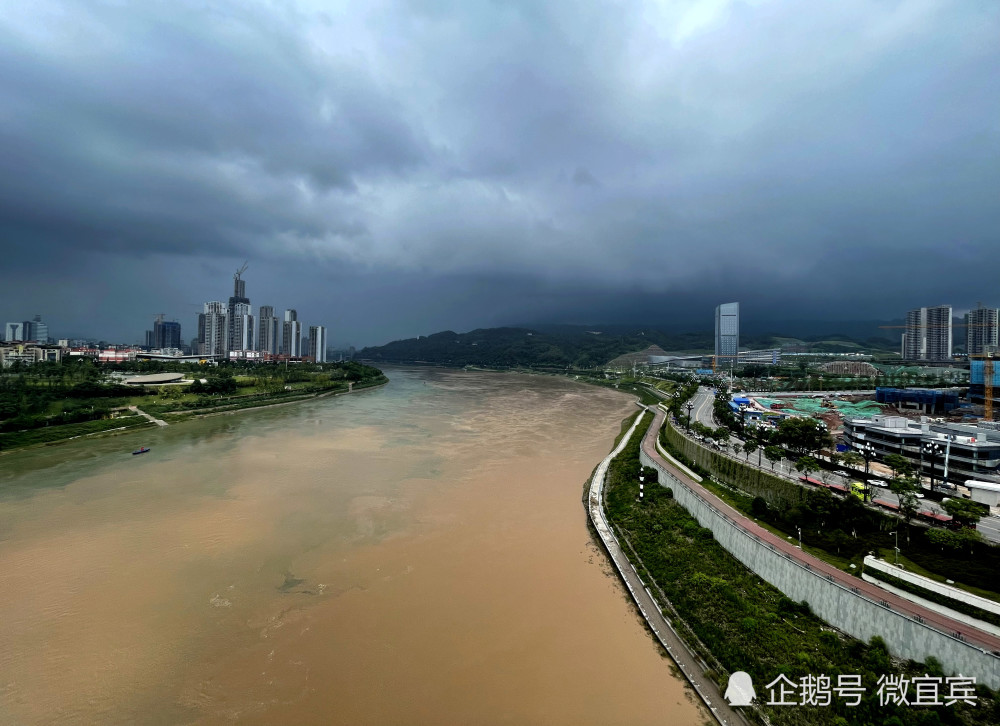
<point x="982" y="330"/>
<point x="241" y="327"/>
<point x="213" y="330"/>
<point x="317" y="343"/>
<point x="291" y="337"/>
<point x="267" y="326"/>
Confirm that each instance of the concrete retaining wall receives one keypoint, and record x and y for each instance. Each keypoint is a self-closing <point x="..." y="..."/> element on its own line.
<point x="838" y="605"/>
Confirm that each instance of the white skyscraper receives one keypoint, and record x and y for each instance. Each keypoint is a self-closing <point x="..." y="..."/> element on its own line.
<point x="291" y="338"/>
<point x="267" y="325"/>
<point x="213" y="330"/>
<point x="317" y="343"/>
<point x="982" y="331"/>
<point x="241" y="327"/>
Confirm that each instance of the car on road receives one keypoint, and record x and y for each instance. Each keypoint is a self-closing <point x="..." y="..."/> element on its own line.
<point x="877" y="483"/>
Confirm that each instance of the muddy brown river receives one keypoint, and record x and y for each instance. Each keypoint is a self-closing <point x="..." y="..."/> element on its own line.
<point x="414" y="554"/>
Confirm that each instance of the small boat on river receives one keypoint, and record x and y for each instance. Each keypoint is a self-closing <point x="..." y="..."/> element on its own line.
<point x="142" y="450"/>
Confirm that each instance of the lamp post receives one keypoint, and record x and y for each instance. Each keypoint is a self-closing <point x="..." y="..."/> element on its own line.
<point x="868" y="452"/>
<point x="800" y="536"/>
<point x="689" y="407"/>
<point x="896" y="533"/>
<point x="932" y="450"/>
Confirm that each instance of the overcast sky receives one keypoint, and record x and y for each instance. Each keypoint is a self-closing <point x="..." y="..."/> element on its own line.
<point x="397" y="168"/>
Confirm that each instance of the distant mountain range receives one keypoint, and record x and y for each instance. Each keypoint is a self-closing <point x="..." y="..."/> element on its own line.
<point x="588" y="346"/>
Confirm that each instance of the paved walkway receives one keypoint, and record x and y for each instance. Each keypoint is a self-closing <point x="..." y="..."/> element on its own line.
<point x="689" y="664"/>
<point x="155" y="420"/>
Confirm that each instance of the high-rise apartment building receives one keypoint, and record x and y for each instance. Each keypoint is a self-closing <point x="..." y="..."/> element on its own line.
<point x="165" y="334"/>
<point x="241" y="335"/>
<point x="170" y="335"/>
<point x="727" y="330"/>
<point x="317" y="343"/>
<point x="240" y="332"/>
<point x="291" y="335"/>
<point x="213" y="329"/>
<point x="267" y="326"/>
<point x="928" y="334"/>
<point x="982" y="330"/>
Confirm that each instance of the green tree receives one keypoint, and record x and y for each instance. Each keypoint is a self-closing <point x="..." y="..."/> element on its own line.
<point x="852" y="459"/>
<point x="900" y="465"/>
<point x="774" y="454"/>
<point x="957" y="541"/>
<point x="749" y="447"/>
<point x="965" y="512"/>
<point x="807" y="465"/>
<point x="803" y="435"/>
<point x="905" y="488"/>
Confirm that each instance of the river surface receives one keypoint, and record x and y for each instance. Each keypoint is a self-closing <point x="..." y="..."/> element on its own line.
<point x="413" y="554"/>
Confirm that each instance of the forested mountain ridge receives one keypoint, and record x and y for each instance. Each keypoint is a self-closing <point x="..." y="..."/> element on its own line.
<point x="561" y="346"/>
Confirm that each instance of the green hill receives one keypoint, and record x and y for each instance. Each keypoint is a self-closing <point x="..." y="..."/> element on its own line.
<point x="506" y="347"/>
<point x="562" y="346"/>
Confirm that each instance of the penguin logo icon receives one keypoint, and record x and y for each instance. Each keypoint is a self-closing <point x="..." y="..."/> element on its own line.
<point x="740" y="690"/>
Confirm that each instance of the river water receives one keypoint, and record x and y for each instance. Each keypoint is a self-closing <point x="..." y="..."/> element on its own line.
<point x="414" y="554"/>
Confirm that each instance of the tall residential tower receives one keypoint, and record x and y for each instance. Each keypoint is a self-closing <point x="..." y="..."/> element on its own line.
<point x="291" y="335"/>
<point x="267" y="326"/>
<point x="727" y="331"/>
<point x="928" y="334"/>
<point x="982" y="330"/>
<point x="240" y="331"/>
<point x="213" y="329"/>
<point x="317" y="343"/>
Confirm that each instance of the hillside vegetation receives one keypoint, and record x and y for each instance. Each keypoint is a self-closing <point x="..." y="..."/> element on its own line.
<point x="567" y="346"/>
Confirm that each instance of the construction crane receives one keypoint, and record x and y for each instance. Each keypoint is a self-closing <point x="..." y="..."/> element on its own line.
<point x="243" y="269"/>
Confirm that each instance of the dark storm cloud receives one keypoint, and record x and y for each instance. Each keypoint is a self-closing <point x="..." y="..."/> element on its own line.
<point x="454" y="163"/>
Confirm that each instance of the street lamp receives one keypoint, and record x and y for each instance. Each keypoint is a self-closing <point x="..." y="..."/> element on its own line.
<point x="932" y="450"/>
<point x="689" y="407"/>
<point x="800" y="536"/>
<point x="896" y="533"/>
<point x="868" y="452"/>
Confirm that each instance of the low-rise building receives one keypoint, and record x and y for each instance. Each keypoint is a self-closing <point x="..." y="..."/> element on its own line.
<point x="952" y="452"/>
<point x="28" y="354"/>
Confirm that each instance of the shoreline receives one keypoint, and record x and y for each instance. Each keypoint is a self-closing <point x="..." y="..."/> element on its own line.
<point x="187" y="415"/>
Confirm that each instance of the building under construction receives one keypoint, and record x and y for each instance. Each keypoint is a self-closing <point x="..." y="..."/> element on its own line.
<point x="977" y="382"/>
